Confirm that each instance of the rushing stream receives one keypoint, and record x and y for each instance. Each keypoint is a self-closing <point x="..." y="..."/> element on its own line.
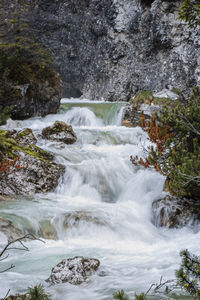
<point x="112" y="199"/>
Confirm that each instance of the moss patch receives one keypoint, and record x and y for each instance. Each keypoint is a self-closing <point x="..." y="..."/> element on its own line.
<point x="146" y="97"/>
<point x="10" y="148"/>
<point x="25" y="132"/>
<point x="57" y="128"/>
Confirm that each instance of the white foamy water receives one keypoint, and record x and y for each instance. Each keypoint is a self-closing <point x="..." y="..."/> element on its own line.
<point x="113" y="196"/>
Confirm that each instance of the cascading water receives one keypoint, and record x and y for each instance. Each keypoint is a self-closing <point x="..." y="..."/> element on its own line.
<point x="112" y="199"/>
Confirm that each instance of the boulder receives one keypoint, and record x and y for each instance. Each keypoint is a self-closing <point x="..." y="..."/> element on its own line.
<point x="40" y="98"/>
<point x="26" y="169"/>
<point x="30" y="174"/>
<point x="60" y="132"/>
<point x="9" y="229"/>
<point x="165" y="93"/>
<point x="172" y="212"/>
<point x="73" y="270"/>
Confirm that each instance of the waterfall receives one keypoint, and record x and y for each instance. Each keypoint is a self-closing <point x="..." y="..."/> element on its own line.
<point x="101" y="208"/>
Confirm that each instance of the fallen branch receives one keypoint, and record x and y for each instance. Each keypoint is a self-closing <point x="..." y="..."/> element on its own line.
<point x="159" y="285"/>
<point x="23" y="247"/>
<point x="6" y="295"/>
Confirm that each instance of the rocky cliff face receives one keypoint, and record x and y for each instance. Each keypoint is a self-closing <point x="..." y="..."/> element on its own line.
<point x="114" y="48"/>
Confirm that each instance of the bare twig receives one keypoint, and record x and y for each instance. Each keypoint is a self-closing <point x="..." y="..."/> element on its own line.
<point x="149" y="289"/>
<point x="189" y="125"/>
<point x="158" y="285"/>
<point x="4" y="257"/>
<point x="6" y="294"/>
<point x="23" y="247"/>
<point x="11" y="267"/>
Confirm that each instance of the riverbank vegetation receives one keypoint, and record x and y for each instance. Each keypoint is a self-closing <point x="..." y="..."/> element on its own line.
<point x="176" y="132"/>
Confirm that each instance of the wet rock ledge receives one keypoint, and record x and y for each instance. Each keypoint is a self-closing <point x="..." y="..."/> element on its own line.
<point x="173" y="212"/>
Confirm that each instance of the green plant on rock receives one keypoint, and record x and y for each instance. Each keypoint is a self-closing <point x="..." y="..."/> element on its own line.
<point x="19" y="65"/>
<point x="189" y="274"/>
<point x="141" y="296"/>
<point x="190" y="13"/>
<point x="141" y="97"/>
<point x="120" y="295"/>
<point x="37" y="293"/>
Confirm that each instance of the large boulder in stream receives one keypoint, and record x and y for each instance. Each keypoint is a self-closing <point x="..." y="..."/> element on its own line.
<point x="25" y="168"/>
<point x="73" y="270"/>
<point x="172" y="212"/>
<point x="60" y="132"/>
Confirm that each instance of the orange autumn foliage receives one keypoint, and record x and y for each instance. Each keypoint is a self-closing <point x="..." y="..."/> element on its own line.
<point x="6" y="164"/>
<point x="157" y="134"/>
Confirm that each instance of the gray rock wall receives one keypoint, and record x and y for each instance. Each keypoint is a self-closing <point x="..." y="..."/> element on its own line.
<point x="114" y="48"/>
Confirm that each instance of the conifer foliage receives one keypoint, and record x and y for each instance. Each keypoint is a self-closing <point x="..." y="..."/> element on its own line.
<point x="189" y="274"/>
<point x="120" y="295"/>
<point x="190" y="13"/>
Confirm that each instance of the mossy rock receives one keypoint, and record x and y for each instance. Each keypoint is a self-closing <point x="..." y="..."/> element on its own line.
<point x="26" y="169"/>
<point x="60" y="132"/>
<point x="25" y="137"/>
<point x="146" y="97"/>
<point x="57" y="127"/>
<point x="12" y="143"/>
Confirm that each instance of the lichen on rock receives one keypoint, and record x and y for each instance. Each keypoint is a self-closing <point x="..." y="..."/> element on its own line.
<point x="73" y="270"/>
